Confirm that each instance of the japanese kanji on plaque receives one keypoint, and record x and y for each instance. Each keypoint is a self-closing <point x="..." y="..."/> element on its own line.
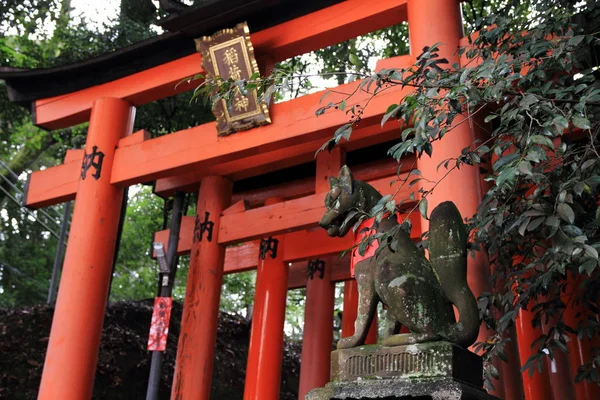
<point x="159" y="327"/>
<point x="229" y="54"/>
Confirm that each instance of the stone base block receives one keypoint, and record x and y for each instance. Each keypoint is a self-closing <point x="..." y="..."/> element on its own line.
<point x="418" y="361"/>
<point x="434" y="370"/>
<point x="400" y="389"/>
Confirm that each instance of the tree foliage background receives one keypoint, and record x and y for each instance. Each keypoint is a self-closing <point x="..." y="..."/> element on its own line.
<point x="28" y="238"/>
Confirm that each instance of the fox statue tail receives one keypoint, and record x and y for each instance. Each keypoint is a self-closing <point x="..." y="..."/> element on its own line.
<point x="448" y="255"/>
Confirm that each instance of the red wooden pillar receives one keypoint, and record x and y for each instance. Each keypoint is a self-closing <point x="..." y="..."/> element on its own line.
<point x="372" y="335"/>
<point x="579" y="350"/>
<point x="559" y="374"/>
<point x="446" y="28"/>
<point x="75" y="336"/>
<point x="510" y="377"/>
<point x="195" y="352"/>
<point x="462" y="186"/>
<point x="559" y="369"/>
<point x="317" y="339"/>
<point x="350" y="312"/>
<point x="536" y="387"/>
<point x="263" y="371"/>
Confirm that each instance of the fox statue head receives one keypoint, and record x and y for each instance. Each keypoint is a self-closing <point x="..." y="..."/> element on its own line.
<point x="346" y="195"/>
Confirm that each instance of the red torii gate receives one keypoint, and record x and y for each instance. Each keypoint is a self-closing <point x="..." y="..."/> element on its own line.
<point x="196" y="159"/>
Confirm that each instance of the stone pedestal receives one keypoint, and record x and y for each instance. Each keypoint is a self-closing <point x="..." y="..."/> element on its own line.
<point x="435" y="370"/>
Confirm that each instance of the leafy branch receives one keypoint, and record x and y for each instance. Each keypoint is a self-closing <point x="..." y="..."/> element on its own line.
<point x="536" y="82"/>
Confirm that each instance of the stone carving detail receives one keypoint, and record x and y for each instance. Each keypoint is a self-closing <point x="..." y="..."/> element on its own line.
<point x="418" y="293"/>
<point x="432" y="360"/>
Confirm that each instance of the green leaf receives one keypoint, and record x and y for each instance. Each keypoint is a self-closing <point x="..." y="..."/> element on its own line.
<point x="524" y="225"/>
<point x="588" y="164"/>
<point x="354" y="60"/>
<point x="566" y="212"/>
<point x="464" y="75"/>
<point x="575" y="40"/>
<point x="501" y="162"/>
<point x="327" y="92"/>
<point x="535" y="223"/>
<point x="528" y="101"/>
<point x="432" y="92"/>
<point x="414" y="182"/>
<point x="578" y="188"/>
<point x="474" y="94"/>
<point x="391" y="206"/>
<point x="542" y="140"/>
<point x="560" y="122"/>
<point x="490" y="117"/>
<point x="428" y="148"/>
<point x="533" y="213"/>
<point x="572" y="230"/>
<point x="562" y="196"/>
<point x="589" y="266"/>
<point x="581" y="122"/>
<point x="552" y="221"/>
<point x="525" y="167"/>
<point x="343" y="131"/>
<point x="506" y="175"/>
<point x="593" y="180"/>
<point x="502" y="355"/>
<point x="590" y="251"/>
<point x="423" y="208"/>
<point x="493" y="372"/>
<point x="389" y="113"/>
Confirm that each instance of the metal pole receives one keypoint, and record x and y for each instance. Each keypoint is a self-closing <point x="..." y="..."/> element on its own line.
<point x="58" y="258"/>
<point x="118" y="240"/>
<point x="154" y="380"/>
<point x="166" y="289"/>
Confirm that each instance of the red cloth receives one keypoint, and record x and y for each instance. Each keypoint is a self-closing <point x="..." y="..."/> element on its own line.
<point x="159" y="327"/>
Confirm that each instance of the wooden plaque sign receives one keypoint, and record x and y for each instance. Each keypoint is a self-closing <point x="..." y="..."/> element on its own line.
<point x="229" y="54"/>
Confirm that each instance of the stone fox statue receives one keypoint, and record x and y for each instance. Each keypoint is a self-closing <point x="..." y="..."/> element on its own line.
<point x="417" y="292"/>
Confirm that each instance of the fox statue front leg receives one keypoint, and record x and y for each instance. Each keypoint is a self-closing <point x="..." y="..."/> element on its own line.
<point x="367" y="305"/>
<point x="392" y="326"/>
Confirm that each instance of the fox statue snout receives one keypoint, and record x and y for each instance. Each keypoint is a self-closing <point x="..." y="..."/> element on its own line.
<point x="344" y="196"/>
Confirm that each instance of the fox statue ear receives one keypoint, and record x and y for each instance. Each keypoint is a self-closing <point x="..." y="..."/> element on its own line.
<point x="333" y="181"/>
<point x="345" y="179"/>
